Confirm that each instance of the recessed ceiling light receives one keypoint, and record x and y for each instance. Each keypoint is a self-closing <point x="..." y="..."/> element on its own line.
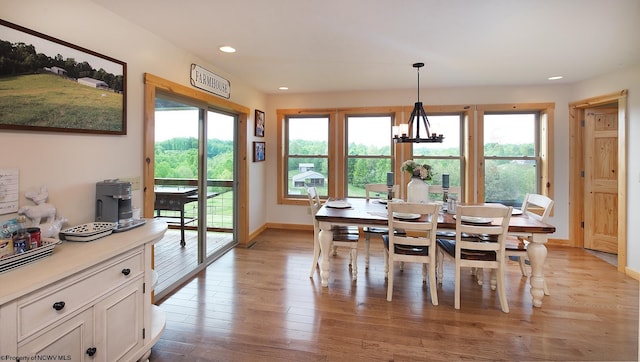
<point x="227" y="49"/>
<point x="284" y="88"/>
<point x="555" y="77"/>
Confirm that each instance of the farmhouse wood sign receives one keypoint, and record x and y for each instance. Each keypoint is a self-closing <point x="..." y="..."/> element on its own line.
<point x="213" y="83"/>
<point x="52" y="85"/>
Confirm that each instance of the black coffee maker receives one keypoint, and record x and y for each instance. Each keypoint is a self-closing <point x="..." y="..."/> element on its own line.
<point x="113" y="204"/>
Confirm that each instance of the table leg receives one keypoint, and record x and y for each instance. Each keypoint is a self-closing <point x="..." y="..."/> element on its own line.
<point x="537" y="253"/>
<point x="182" y="242"/>
<point x="326" y="236"/>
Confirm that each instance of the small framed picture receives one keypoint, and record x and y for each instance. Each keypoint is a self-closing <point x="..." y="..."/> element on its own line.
<point x="258" y="151"/>
<point x="259" y="123"/>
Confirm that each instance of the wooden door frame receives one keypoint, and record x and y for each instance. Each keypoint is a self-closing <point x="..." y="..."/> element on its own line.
<point x="153" y="83"/>
<point x="576" y="166"/>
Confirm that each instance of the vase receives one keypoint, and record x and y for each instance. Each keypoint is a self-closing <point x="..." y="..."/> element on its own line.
<point x="417" y="190"/>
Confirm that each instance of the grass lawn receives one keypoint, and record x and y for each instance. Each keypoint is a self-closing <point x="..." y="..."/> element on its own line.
<point x="48" y="100"/>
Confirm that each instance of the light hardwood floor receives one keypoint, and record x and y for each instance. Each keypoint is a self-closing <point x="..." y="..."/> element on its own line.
<point x="259" y="304"/>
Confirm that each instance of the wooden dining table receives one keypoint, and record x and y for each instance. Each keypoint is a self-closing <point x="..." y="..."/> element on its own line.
<point x="363" y="213"/>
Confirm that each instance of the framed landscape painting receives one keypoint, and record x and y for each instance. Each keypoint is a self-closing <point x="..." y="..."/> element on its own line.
<point x="51" y="85"/>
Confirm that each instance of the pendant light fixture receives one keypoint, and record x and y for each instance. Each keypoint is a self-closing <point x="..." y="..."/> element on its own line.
<point x="401" y="133"/>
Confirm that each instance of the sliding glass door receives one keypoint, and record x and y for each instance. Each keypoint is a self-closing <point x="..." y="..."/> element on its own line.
<point x="220" y="181"/>
<point x="194" y="186"/>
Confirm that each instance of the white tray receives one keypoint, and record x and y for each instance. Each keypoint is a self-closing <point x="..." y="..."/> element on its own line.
<point x="72" y="237"/>
<point x="88" y="232"/>
<point x="88" y="229"/>
<point x="17" y="260"/>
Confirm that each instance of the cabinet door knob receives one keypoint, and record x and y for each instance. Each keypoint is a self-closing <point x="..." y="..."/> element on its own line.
<point x="126" y="271"/>
<point x="91" y="351"/>
<point x="58" y="305"/>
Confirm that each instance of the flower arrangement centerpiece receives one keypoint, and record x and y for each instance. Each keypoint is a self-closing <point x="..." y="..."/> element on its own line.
<point x="417" y="188"/>
<point x="424" y="172"/>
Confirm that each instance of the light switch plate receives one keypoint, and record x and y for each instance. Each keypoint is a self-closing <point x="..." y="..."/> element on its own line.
<point x="135" y="182"/>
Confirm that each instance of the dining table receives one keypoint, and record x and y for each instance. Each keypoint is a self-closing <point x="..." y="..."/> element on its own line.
<point x="373" y="213"/>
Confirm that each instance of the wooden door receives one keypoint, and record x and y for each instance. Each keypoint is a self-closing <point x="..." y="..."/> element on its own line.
<point x="601" y="180"/>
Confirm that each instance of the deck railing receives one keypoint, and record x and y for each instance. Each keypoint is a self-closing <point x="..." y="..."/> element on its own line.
<point x="219" y="208"/>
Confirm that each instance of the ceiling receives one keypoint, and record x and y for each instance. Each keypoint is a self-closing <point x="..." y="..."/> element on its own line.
<point x="345" y="45"/>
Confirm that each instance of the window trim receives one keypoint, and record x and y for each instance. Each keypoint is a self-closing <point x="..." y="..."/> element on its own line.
<point x="154" y="84"/>
<point x="545" y="151"/>
<point x="337" y="135"/>
<point x="463" y="116"/>
<point x="343" y="163"/>
<point x="472" y="154"/>
<point x="466" y="144"/>
<point x="283" y="114"/>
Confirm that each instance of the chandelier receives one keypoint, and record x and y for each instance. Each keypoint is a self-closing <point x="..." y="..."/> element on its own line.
<point x="401" y="132"/>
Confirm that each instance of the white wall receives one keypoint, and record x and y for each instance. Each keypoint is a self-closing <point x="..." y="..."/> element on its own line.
<point x="70" y="164"/>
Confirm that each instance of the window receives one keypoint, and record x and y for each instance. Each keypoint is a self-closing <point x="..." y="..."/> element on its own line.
<point x="510" y="157"/>
<point x="495" y="153"/>
<point x="335" y="150"/>
<point x="306" y="154"/>
<point x="369" y="157"/>
<point x="446" y="157"/>
<point x="514" y="152"/>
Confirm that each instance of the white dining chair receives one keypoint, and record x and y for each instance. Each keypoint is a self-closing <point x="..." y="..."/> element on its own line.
<point x="535" y="206"/>
<point x="439" y="191"/>
<point x="343" y="236"/>
<point x="417" y="243"/>
<point x="367" y="231"/>
<point x="480" y="238"/>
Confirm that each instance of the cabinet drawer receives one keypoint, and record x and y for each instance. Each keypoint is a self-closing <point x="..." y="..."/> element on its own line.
<point x="43" y="308"/>
<point x="69" y="340"/>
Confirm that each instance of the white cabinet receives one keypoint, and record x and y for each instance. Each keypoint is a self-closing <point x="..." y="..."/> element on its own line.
<point x="119" y="324"/>
<point x="98" y="309"/>
<point x="110" y="330"/>
<point x="70" y="340"/>
<point x="99" y="313"/>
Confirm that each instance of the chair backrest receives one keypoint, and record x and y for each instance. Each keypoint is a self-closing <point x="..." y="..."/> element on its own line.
<point x="314" y="199"/>
<point x="537" y="206"/>
<point x="375" y="188"/>
<point x="416" y="232"/>
<point x="314" y="204"/>
<point x="437" y="189"/>
<point x="472" y="234"/>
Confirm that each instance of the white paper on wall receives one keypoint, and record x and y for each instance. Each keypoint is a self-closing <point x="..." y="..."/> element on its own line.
<point x="8" y="190"/>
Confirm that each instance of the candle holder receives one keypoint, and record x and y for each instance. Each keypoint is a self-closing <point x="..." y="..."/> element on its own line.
<point x="445" y="187"/>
